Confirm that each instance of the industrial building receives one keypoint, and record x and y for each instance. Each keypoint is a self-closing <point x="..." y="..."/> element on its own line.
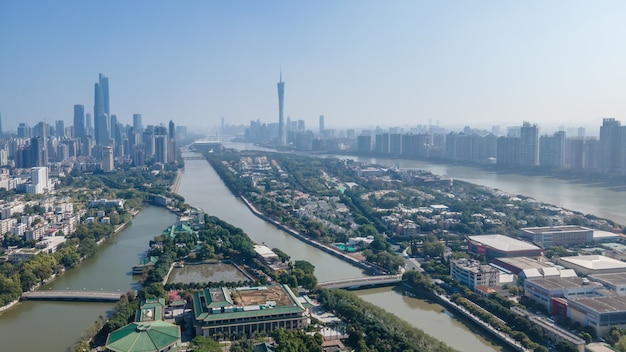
<point x="557" y="235"/>
<point x="495" y="246"/>
<point x="543" y="290"/>
<point x="600" y="313"/>
<point x="593" y="264"/>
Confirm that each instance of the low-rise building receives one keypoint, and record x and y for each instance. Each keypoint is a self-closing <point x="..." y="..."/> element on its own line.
<point x="593" y="264"/>
<point x="557" y="235"/>
<point x="615" y="282"/>
<point x="473" y="274"/>
<point x="599" y="313"/>
<point x="495" y="246"/>
<point x="543" y="290"/>
<point x="246" y="310"/>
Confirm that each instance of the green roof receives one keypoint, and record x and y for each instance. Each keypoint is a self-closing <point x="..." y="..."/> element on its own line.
<point x="151" y="309"/>
<point x="143" y="337"/>
<point x="264" y="347"/>
<point x="173" y="230"/>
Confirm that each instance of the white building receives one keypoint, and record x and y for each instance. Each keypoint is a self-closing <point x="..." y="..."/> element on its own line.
<point x="472" y="274"/>
<point x="39" y="181"/>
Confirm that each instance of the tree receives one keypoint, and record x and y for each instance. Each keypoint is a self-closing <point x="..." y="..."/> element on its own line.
<point x="203" y="344"/>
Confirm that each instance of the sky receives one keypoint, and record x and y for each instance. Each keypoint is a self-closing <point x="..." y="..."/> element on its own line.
<point x="358" y="62"/>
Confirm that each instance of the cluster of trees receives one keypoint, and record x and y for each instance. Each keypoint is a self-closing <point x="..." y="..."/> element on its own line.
<point x="501" y="317"/>
<point x="373" y="329"/>
<point x="301" y="274"/>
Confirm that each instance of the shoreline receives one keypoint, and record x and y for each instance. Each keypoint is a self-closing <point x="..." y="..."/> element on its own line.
<point x="116" y="230"/>
<point x="334" y="252"/>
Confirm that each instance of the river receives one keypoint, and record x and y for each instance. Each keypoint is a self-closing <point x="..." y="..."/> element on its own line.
<point x="53" y="326"/>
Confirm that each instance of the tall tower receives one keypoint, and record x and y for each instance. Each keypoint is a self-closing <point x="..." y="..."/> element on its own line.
<point x="282" y="136"/>
<point x="321" y="124"/>
<point x="137" y="125"/>
<point x="79" y="121"/>
<point x="0" y="125"/>
<point x="529" y="145"/>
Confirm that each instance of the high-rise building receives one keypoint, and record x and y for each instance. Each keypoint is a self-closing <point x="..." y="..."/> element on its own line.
<point x="529" y="145"/>
<point x="89" y="125"/>
<point x="38" y="180"/>
<point x="107" y="159"/>
<point x="59" y="128"/>
<point x="0" y="125"/>
<point x="160" y="146"/>
<point x="282" y="135"/>
<point x="137" y="125"/>
<point x="101" y="113"/>
<point x="79" y="121"/>
<point x="321" y="124"/>
<point x="612" y="146"/>
<point x="552" y="150"/>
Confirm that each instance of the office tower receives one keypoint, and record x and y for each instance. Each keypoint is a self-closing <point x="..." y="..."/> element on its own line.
<point x="148" y="141"/>
<point x="101" y="113"/>
<point x="612" y="146"/>
<point x="107" y="159"/>
<point x="59" y="128"/>
<point x="160" y="146"/>
<point x="137" y="125"/>
<point x="0" y="125"/>
<point x="79" y="121"/>
<point x="102" y="130"/>
<point x="35" y="157"/>
<point x="171" y="130"/>
<point x="282" y="136"/>
<point x="23" y="130"/>
<point x="321" y="124"/>
<point x="104" y="83"/>
<point x="115" y="129"/>
<point x="88" y="125"/>
<point x="529" y="145"/>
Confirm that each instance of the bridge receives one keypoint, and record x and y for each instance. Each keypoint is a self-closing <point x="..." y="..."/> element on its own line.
<point x="360" y="282"/>
<point x="84" y="296"/>
<point x="195" y="157"/>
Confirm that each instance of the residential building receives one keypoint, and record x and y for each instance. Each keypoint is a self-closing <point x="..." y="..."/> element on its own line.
<point x="473" y="274"/>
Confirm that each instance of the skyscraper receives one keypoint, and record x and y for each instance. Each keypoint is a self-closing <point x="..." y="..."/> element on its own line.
<point x="137" y="125"/>
<point x="0" y="125"/>
<point x="321" y="124"/>
<point x="612" y="146"/>
<point x="282" y="136"/>
<point x="79" y="121"/>
<point x="101" y="112"/>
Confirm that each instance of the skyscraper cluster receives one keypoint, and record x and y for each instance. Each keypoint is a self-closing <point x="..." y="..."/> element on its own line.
<point x="107" y="142"/>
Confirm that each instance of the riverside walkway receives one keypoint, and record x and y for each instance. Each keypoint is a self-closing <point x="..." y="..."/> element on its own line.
<point x="84" y="296"/>
<point x="384" y="280"/>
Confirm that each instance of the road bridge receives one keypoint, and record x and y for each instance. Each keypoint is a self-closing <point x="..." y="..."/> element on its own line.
<point x="84" y="296"/>
<point x="200" y="157"/>
<point x="360" y="282"/>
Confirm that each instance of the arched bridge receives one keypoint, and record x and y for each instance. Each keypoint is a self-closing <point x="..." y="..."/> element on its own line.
<point x="85" y="296"/>
<point x="384" y="280"/>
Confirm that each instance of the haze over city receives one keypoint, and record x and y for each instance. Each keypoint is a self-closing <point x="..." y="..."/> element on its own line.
<point x="359" y="63"/>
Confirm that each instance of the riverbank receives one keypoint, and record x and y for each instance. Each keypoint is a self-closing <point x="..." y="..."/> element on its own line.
<point x="332" y="251"/>
<point x="444" y="301"/>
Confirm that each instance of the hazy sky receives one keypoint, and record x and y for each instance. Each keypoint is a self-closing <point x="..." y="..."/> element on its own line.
<point x="357" y="62"/>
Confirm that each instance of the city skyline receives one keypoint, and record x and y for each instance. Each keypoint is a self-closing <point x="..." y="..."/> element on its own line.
<point x="367" y="63"/>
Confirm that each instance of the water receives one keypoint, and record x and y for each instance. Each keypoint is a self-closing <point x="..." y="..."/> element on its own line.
<point x="54" y="326"/>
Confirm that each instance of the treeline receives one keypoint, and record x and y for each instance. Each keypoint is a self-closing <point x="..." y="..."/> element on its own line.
<point x="371" y="329"/>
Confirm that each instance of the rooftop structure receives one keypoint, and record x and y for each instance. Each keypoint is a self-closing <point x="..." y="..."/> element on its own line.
<point x="147" y="333"/>
<point x="599" y="313"/>
<point x="525" y="268"/>
<point x="494" y="246"/>
<point x="223" y="311"/>
<point x="542" y="290"/>
<point x="472" y="274"/>
<point x="593" y="264"/>
<point x="615" y="282"/>
<point x="557" y="235"/>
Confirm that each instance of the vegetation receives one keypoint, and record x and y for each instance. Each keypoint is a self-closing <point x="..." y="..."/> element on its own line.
<point x="373" y="329"/>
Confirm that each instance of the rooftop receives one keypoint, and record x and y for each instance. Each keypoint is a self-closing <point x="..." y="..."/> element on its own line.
<point x="595" y="262"/>
<point x="503" y="243"/>
<point x="603" y="304"/>
<point x="556" y="283"/>
<point x="524" y="262"/>
<point x="552" y="229"/>
<point x="143" y="336"/>
<point x="617" y="279"/>
<point x="223" y="303"/>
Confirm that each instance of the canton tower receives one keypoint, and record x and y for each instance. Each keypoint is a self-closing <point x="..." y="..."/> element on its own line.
<point x="282" y="137"/>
